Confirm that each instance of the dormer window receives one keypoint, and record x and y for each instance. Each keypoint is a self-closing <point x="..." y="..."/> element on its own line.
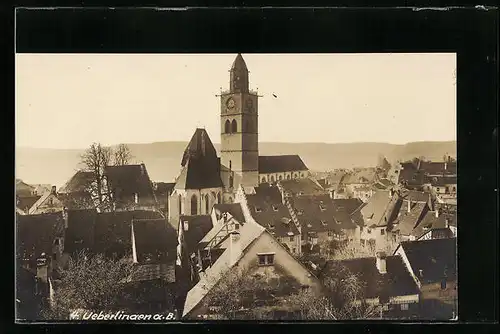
<point x="300" y="212"/>
<point x="301" y="193"/>
<point x="275" y="208"/>
<point x="270" y="226"/>
<point x="285" y="220"/>
<point x="322" y="207"/>
<point x="324" y="223"/>
<point x="309" y="225"/>
<point x="258" y="209"/>
<point x="236" y="226"/>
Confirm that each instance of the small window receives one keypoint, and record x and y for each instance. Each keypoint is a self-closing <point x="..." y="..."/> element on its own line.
<point x="266" y="259"/>
<point x="56" y="242"/>
<point x="361" y="228"/>
<point x="330" y="233"/>
<point x="369" y="231"/>
<point x="292" y="238"/>
<point x="300" y="212"/>
<point x="294" y="250"/>
<point x="382" y="231"/>
<point x="404" y="307"/>
<point x="258" y="209"/>
<point x="362" y="242"/>
<point x="271" y="226"/>
<point x="236" y="226"/>
<point x="324" y="223"/>
<point x="443" y="284"/>
<point x="54" y="256"/>
<point x="275" y="208"/>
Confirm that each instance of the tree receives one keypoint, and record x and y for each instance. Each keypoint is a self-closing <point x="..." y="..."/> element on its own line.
<point x="95" y="159"/>
<point x="122" y="155"/>
<point x="91" y="283"/>
<point x="342" y="298"/>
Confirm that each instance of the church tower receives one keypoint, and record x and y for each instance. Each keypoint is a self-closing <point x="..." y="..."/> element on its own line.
<point x="239" y="130"/>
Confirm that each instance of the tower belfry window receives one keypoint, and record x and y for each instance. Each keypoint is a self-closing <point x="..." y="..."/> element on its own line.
<point x="234" y="126"/>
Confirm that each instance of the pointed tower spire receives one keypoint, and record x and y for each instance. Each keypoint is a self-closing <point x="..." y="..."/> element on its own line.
<point x="239" y="76"/>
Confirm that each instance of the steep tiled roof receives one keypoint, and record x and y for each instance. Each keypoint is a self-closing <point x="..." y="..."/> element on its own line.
<point x="149" y="272"/>
<point x="441" y="181"/>
<point x="80" y="232"/>
<point x="155" y="240"/>
<point x="163" y="189"/>
<point x="319" y="214"/>
<point x="35" y="234"/>
<point x="280" y="163"/>
<point x="77" y="200"/>
<point x="125" y="181"/>
<point x="271" y="214"/>
<point x="23" y="189"/>
<point x="299" y="187"/>
<point x="416" y="196"/>
<point x="234" y="209"/>
<point x="435" y="258"/>
<point x="270" y="193"/>
<point x="81" y="181"/>
<point x="198" y="227"/>
<point x="348" y="204"/>
<point x="113" y="230"/>
<point x="25" y="203"/>
<point x="396" y="282"/>
<point x="41" y="201"/>
<point x="248" y="233"/>
<point x="380" y="208"/>
<point x="200" y="164"/>
<point x="406" y="221"/>
<point x="431" y="222"/>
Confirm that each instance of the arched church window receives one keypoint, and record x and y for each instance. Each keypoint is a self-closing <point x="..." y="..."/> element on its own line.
<point x="207" y="204"/>
<point x="180" y="205"/>
<point x="280" y="178"/>
<point x="288" y="177"/>
<point x="271" y="178"/>
<point x="234" y="126"/>
<point x="227" y="127"/>
<point x="218" y="198"/>
<point x="230" y="165"/>
<point x="231" y="181"/>
<point x="264" y="179"/>
<point x="194" y="205"/>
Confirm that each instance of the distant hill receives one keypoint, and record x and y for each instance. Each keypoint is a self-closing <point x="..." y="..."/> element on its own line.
<point x="56" y="166"/>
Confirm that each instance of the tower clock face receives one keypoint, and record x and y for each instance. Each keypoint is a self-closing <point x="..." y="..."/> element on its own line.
<point x="230" y="103"/>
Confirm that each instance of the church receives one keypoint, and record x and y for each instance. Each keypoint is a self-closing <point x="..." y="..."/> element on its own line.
<point x="206" y="179"/>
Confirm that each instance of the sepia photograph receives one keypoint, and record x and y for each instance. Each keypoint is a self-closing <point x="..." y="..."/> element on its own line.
<point x="235" y="186"/>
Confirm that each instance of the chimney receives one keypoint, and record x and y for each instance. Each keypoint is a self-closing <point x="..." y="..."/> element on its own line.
<point x="234" y="247"/>
<point x="136" y="198"/>
<point x="332" y="194"/>
<point x="53" y="190"/>
<point x="409" y="205"/>
<point x="447" y="223"/>
<point x="186" y="225"/>
<point x="42" y="268"/>
<point x="143" y="169"/>
<point x="445" y="165"/>
<point x="381" y="263"/>
<point x="437" y="213"/>
<point x="65" y="217"/>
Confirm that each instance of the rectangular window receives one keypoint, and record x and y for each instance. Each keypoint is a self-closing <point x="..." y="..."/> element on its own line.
<point x="292" y="238"/>
<point x="266" y="259"/>
<point x="443" y="284"/>
<point x="362" y="242"/>
<point x="330" y="233"/>
<point x="236" y="226"/>
<point x="382" y="231"/>
<point x="54" y="256"/>
<point x="404" y="307"/>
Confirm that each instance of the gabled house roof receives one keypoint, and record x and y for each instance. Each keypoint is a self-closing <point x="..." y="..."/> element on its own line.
<point x="77" y="200"/>
<point x="155" y="240"/>
<point x="149" y="272"/>
<point x="406" y="221"/>
<point x="272" y="215"/>
<point x="432" y="260"/>
<point x="25" y="203"/>
<point x="380" y="208"/>
<point x="79" y="234"/>
<point x="300" y="187"/>
<point x="362" y="176"/>
<point x="198" y="227"/>
<point x="396" y="282"/>
<point x="248" y="234"/>
<point x="350" y="205"/>
<point x="42" y="200"/>
<point x="163" y="189"/>
<point x="23" y="189"/>
<point x="280" y="163"/>
<point x="127" y="180"/>
<point x="113" y="230"/>
<point x="80" y="182"/>
<point x="234" y="209"/>
<point x="319" y="214"/>
<point x="35" y="234"/>
<point x="431" y="222"/>
<point x="201" y="168"/>
<point x="269" y="192"/>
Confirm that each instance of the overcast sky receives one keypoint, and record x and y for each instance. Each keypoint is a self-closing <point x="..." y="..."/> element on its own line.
<point x="72" y="100"/>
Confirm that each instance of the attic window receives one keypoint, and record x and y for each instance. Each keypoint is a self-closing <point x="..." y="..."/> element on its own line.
<point x="309" y="225"/>
<point x="322" y="207"/>
<point x="285" y="220"/>
<point x="236" y="226"/>
<point x="301" y="193"/>
<point x="300" y="212"/>
<point x="324" y="223"/>
<point x="290" y="234"/>
<point x="266" y="259"/>
<point x="271" y="226"/>
<point x="275" y="208"/>
<point x="258" y="209"/>
<point x="79" y="241"/>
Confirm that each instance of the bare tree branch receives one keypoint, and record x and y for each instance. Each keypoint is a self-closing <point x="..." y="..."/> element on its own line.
<point x="122" y="155"/>
<point x="95" y="159"/>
